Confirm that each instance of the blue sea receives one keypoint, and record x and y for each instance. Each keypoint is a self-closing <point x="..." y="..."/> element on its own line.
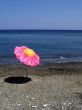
<point x="53" y="46"/>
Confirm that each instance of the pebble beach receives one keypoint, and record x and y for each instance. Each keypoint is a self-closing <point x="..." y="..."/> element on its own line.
<point x="51" y="87"/>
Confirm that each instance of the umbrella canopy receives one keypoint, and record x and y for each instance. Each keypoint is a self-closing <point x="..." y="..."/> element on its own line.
<point x="27" y="56"/>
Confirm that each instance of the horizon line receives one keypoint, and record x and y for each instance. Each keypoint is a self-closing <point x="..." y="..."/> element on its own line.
<point x="40" y="29"/>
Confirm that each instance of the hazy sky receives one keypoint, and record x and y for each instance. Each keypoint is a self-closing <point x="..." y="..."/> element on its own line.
<point x="41" y="14"/>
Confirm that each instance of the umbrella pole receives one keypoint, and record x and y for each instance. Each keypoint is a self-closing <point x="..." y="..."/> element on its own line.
<point x="26" y="71"/>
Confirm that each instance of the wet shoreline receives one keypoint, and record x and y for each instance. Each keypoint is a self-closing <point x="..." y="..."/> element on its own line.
<point x="42" y="70"/>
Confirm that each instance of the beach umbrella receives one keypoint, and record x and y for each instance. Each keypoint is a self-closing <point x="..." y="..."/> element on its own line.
<point x="27" y="56"/>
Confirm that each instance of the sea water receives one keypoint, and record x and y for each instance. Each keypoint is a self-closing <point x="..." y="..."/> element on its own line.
<point x="53" y="46"/>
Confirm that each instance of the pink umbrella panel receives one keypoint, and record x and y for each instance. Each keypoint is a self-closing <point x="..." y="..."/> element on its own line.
<point x="27" y="56"/>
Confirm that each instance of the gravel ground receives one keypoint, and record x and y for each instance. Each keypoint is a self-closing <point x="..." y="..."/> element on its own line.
<point x="59" y="90"/>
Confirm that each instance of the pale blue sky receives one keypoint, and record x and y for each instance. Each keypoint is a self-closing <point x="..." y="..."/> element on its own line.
<point x="41" y="14"/>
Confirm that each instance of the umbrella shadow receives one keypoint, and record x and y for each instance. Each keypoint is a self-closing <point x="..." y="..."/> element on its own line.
<point x="17" y="79"/>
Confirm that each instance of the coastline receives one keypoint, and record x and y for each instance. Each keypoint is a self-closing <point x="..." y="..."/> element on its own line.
<point x="66" y="68"/>
<point x="53" y="86"/>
